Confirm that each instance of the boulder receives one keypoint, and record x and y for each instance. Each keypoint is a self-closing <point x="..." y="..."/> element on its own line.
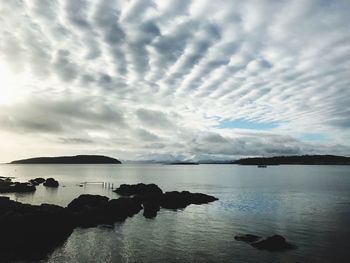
<point x="51" y="182"/>
<point x="37" y="181"/>
<point x="149" y="190"/>
<point x="273" y="243"/>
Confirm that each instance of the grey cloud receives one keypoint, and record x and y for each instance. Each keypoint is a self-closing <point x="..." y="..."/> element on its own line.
<point x="64" y="67"/>
<point x="11" y="47"/>
<point x="77" y="13"/>
<point x="24" y="124"/>
<point x="58" y="116"/>
<point x="136" y="10"/>
<point x="245" y="146"/>
<point x="145" y="135"/>
<point x="46" y="9"/>
<point x="75" y="141"/>
<point x="153" y="118"/>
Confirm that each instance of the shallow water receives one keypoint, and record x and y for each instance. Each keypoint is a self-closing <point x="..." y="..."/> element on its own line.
<point x="309" y="205"/>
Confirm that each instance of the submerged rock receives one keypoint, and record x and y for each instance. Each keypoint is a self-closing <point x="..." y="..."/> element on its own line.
<point x="273" y="243"/>
<point x="248" y="238"/>
<point x="51" y="182"/>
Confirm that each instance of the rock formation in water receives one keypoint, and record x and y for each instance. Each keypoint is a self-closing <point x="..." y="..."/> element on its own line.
<point x="272" y="243"/>
<point x="30" y="232"/>
<point x="7" y="186"/>
<point x="139" y="189"/>
<point x="152" y="197"/>
<point x="51" y="182"/>
<point x="302" y="160"/>
<point x="79" y="159"/>
<point x="37" y="181"/>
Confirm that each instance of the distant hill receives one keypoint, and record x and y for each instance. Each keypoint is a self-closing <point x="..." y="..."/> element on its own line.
<point x="301" y="159"/>
<point x="79" y="159"/>
<point x="182" y="163"/>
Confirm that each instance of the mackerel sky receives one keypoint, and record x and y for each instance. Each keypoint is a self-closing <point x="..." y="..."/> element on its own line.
<point x="175" y="79"/>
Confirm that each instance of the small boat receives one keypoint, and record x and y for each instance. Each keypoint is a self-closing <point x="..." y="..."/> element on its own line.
<point x="262" y="166"/>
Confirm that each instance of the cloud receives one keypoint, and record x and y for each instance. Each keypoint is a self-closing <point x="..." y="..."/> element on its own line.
<point x="160" y="78"/>
<point x="153" y="118"/>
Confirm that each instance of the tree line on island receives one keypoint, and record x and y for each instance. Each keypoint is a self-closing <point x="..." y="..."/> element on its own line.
<point x="275" y="160"/>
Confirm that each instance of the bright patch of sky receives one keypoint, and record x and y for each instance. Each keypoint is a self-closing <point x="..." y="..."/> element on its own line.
<point x="314" y="137"/>
<point x="246" y="124"/>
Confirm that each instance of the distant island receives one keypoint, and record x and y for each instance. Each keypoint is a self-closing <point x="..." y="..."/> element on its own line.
<point x="300" y="159"/>
<point x="78" y="159"/>
<point x="183" y="163"/>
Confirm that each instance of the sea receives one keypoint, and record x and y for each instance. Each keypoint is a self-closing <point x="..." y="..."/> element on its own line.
<point x="308" y="205"/>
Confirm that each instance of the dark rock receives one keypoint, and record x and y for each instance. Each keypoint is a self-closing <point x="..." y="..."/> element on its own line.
<point x="50" y="182"/>
<point x="30" y="232"/>
<point x="89" y="210"/>
<point x="150" y="190"/>
<point x="273" y="243"/>
<point x="121" y="208"/>
<point x="248" y="238"/>
<point x="152" y="198"/>
<point x="150" y="209"/>
<point x="37" y="181"/>
<point x="84" y="202"/>
<point x="93" y="210"/>
<point x="16" y="187"/>
<point x="176" y="200"/>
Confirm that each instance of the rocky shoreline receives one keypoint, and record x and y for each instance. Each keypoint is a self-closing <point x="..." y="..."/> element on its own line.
<point x="31" y="232"/>
<point x="8" y="186"/>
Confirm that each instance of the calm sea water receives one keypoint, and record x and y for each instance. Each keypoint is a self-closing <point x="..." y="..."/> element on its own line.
<point x="309" y="205"/>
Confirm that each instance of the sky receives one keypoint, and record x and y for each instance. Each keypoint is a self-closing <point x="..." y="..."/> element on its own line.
<point x="175" y="79"/>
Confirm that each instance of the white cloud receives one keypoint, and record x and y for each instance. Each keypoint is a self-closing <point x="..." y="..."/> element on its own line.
<point x="155" y="78"/>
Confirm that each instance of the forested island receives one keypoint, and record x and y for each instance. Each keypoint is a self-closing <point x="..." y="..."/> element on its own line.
<point x="300" y="159"/>
<point x="78" y="159"/>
